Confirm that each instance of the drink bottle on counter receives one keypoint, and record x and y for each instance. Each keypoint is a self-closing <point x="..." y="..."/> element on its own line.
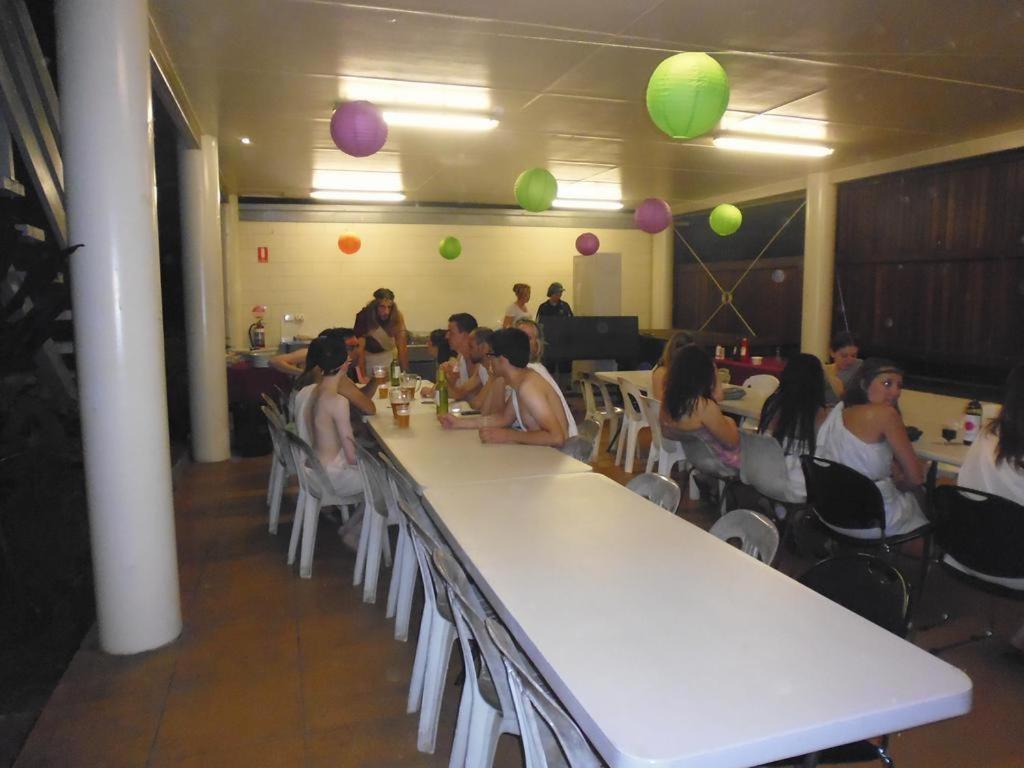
<point x="972" y="422"/>
<point x="744" y="348"/>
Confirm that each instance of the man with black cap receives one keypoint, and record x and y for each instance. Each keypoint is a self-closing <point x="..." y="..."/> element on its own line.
<point x="554" y="306"/>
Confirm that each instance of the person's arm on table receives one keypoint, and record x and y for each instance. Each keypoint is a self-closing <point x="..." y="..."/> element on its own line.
<point x="504" y="419"/>
<point x="550" y="431"/>
<point x="355" y="395"/>
<point x="291" y="363"/>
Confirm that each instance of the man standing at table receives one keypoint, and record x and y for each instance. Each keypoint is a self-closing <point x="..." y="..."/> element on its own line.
<point x="554" y="306"/>
<point x="536" y="412"/>
<point x="380" y="328"/>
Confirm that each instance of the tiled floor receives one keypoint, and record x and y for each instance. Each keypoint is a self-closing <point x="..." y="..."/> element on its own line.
<point x="272" y="670"/>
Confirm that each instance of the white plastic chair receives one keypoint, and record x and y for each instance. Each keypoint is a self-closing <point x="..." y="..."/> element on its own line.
<point x="663" y="491"/>
<point x="486" y="709"/>
<point x="316" y="492"/>
<point x="579" y="448"/>
<point x="437" y="632"/>
<point x="757" y="535"/>
<point x="551" y="738"/>
<point x="666" y="452"/>
<point x="380" y="510"/>
<point x="281" y="468"/>
<point x="762" y="382"/>
<point x="634" y="421"/>
<point x="605" y="412"/>
<point x="404" y="571"/>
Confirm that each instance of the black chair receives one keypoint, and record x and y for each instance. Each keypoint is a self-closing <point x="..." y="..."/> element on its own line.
<point x="983" y="533"/>
<point x="874" y="589"/>
<point x="844" y="498"/>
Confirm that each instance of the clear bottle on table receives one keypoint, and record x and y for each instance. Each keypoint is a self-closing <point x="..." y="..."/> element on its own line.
<point x="441" y="392"/>
<point x="972" y="421"/>
<point x="396" y="372"/>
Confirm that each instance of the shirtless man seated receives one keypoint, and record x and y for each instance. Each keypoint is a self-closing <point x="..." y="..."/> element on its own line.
<point x="356" y="391"/>
<point x="535" y="414"/>
<point x="331" y="428"/>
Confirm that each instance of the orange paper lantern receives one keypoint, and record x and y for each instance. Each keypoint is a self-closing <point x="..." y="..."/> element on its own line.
<point x="349" y="243"/>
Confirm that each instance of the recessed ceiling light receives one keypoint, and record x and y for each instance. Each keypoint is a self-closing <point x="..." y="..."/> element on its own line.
<point x="589" y="190"/>
<point x="445" y="121"/>
<point x="783" y="126"/>
<point x="414" y="94"/>
<point x="361" y="196"/>
<point x="363" y="181"/>
<point x="765" y="146"/>
<point x="246" y="140"/>
<point x="587" y="205"/>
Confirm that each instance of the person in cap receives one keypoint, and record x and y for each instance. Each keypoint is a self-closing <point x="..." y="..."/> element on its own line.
<point x="380" y="328"/>
<point x="554" y="306"/>
<point x="535" y="414"/>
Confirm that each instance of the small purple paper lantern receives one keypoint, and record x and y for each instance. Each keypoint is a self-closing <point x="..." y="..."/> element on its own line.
<point x="652" y="215"/>
<point x="358" y="128"/>
<point x="587" y="244"/>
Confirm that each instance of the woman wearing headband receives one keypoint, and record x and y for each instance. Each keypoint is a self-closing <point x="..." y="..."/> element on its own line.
<point x="380" y="329"/>
<point x="866" y="433"/>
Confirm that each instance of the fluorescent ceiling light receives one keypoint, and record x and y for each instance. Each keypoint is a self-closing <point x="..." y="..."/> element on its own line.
<point x="362" y="196"/>
<point x="589" y="205"/>
<point x="245" y="140"/>
<point x="771" y="147"/>
<point x="775" y="125"/>
<point x="413" y="94"/>
<point x="589" y="190"/>
<point x="447" y="121"/>
<point x="365" y="181"/>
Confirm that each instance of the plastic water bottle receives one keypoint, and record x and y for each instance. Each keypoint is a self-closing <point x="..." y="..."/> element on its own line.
<point x="972" y="421"/>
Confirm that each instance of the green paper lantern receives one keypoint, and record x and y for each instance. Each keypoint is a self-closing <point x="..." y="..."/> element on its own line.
<point x="536" y="189"/>
<point x="725" y="219"/>
<point x="687" y="95"/>
<point x="450" y="248"/>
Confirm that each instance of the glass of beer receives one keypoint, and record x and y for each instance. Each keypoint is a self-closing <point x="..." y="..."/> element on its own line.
<point x="402" y="414"/>
<point x="380" y="375"/>
<point x="410" y="381"/>
<point x="398" y="397"/>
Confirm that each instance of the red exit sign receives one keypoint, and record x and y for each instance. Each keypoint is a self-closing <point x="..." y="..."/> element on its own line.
<point x="262" y="254"/>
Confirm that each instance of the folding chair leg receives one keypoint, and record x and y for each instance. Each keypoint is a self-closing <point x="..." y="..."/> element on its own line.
<point x="309" y="526"/>
<point x="419" y="663"/>
<point x="396" y="575"/>
<point x="374" y="553"/>
<point x="293" y="543"/>
<point x="439" y="652"/>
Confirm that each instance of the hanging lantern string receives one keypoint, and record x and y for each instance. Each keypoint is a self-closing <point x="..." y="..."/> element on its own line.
<point x="769" y="243"/>
<point x="718" y="285"/>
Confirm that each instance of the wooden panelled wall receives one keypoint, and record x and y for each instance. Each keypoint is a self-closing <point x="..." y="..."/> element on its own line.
<point x="931" y="263"/>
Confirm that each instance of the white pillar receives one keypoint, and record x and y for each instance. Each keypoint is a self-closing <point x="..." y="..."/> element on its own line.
<point x="233" y="312"/>
<point x="106" y="121"/>
<point x="662" y="288"/>
<point x="202" y="270"/>
<point x="819" y="265"/>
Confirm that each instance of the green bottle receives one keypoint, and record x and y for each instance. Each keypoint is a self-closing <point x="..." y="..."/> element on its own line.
<point x="396" y="372"/>
<point x="441" y="392"/>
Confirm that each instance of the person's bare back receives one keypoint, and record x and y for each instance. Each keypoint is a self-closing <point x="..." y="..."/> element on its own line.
<point x="331" y="426"/>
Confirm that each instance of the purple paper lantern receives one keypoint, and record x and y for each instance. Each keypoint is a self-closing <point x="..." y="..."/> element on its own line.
<point x="587" y="244"/>
<point x="652" y="215"/>
<point x="358" y="128"/>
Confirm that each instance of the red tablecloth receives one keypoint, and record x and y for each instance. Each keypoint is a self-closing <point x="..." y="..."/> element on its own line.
<point x="741" y="370"/>
<point x="246" y="383"/>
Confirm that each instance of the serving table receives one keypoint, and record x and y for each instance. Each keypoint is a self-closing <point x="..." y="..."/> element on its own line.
<point x="671" y="648"/>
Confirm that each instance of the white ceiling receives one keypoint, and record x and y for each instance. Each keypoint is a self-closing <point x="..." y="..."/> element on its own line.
<point x="568" y="78"/>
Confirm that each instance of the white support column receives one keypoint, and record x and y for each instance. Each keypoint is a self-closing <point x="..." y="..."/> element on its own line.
<point x="103" y="55"/>
<point x="232" y="274"/>
<point x="819" y="265"/>
<point x="202" y="270"/>
<point x="662" y="288"/>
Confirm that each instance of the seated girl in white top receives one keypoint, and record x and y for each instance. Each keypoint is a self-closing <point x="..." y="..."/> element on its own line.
<point x="517" y="309"/>
<point x="794" y="413"/>
<point x="995" y="462"/>
<point x="866" y="433"/>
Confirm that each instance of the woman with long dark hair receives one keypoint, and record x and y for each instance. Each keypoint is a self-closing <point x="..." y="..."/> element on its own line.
<point x="995" y="462"/>
<point x="866" y="433"/>
<point x="679" y="340"/>
<point x="690" y="406"/>
<point x="794" y="413"/>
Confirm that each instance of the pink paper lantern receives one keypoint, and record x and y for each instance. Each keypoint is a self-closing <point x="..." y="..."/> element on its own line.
<point x="358" y="129"/>
<point x="652" y="215"/>
<point x="587" y="244"/>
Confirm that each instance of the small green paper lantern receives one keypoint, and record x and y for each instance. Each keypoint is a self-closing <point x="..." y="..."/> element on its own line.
<point x="725" y="219"/>
<point x="687" y="95"/>
<point x="450" y="248"/>
<point x="536" y="189"/>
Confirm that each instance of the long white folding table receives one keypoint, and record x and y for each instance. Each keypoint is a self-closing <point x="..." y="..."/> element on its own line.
<point x="433" y="456"/>
<point x="671" y="648"/>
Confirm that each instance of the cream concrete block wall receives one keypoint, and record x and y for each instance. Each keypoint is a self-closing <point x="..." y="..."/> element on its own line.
<point x="307" y="274"/>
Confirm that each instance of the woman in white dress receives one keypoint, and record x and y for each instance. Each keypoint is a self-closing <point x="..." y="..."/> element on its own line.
<point x="866" y="433"/>
<point x="517" y="309"/>
<point x="995" y="462"/>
